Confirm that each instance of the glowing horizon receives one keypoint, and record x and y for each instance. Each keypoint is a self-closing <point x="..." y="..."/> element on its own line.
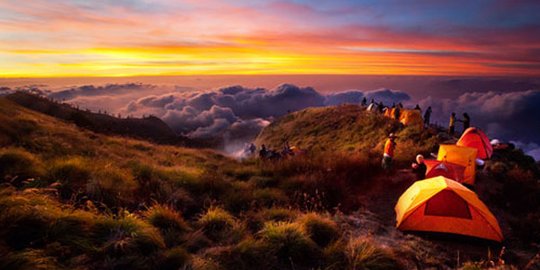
<point x="71" y="38"/>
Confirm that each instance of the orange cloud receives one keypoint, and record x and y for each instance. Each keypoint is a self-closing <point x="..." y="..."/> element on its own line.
<point x="43" y="39"/>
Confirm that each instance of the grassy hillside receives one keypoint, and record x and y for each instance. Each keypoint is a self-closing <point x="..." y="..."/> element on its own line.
<point x="149" y="128"/>
<point x="74" y="199"/>
<point x="348" y="129"/>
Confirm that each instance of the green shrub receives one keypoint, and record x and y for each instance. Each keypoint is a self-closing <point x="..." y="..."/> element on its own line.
<point x="321" y="230"/>
<point x="290" y="244"/>
<point x="363" y="254"/>
<point x="170" y="223"/>
<point x="17" y="165"/>
<point x="73" y="175"/>
<point x="220" y="226"/>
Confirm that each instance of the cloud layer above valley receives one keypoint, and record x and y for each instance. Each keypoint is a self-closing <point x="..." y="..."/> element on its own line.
<point x="205" y="115"/>
<point x="238" y="113"/>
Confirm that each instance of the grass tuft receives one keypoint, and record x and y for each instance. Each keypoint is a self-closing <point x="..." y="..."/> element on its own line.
<point x="321" y="230"/>
<point x="18" y="165"/>
<point x="169" y="222"/>
<point x="219" y="225"/>
<point x="364" y="254"/>
<point x="290" y="244"/>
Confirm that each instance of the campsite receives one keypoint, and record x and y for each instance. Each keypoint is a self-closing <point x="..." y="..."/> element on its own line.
<point x="328" y="205"/>
<point x="269" y="135"/>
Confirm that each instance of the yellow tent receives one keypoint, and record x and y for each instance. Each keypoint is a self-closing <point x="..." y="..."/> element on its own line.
<point x="411" y="118"/>
<point x="443" y="205"/>
<point x="461" y="155"/>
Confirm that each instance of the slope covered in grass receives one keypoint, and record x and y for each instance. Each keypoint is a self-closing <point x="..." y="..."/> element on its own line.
<point x="71" y="198"/>
<point x="149" y="128"/>
<point x="74" y="199"/>
<point x="347" y="128"/>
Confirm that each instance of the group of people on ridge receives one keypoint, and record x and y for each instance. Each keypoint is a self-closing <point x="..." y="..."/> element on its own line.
<point x="396" y="109"/>
<point x="452" y="124"/>
<point x="418" y="167"/>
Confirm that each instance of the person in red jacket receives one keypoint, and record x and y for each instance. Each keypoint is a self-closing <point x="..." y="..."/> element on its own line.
<point x="388" y="154"/>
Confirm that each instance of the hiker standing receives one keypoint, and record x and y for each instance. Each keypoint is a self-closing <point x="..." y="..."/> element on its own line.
<point x="252" y="148"/>
<point x="419" y="168"/>
<point x="380" y="107"/>
<point x="452" y="124"/>
<point x="397" y="112"/>
<point x="263" y="152"/>
<point x="427" y="116"/>
<point x="364" y="102"/>
<point x="466" y="121"/>
<point x="388" y="155"/>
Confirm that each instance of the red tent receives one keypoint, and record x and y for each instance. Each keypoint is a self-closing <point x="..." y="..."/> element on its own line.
<point x="476" y="138"/>
<point x="446" y="169"/>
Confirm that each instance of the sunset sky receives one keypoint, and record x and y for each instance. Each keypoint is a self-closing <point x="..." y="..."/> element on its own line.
<point x="60" y="38"/>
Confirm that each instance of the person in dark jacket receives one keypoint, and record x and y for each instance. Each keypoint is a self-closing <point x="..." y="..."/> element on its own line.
<point x="466" y="121"/>
<point x="427" y="116"/>
<point x="263" y="152"/>
<point x="380" y="107"/>
<point x="419" y="167"/>
<point x="397" y="112"/>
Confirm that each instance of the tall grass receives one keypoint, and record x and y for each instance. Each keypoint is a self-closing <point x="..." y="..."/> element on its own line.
<point x="364" y="254"/>
<point x="290" y="244"/>
<point x="220" y="226"/>
<point x="18" y="165"/>
<point x="169" y="222"/>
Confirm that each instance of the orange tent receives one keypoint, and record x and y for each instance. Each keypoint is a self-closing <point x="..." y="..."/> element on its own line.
<point x="446" y="169"/>
<point x="443" y="205"/>
<point x="392" y="112"/>
<point x="461" y="155"/>
<point x="388" y="112"/>
<point x="476" y="138"/>
<point x="411" y="118"/>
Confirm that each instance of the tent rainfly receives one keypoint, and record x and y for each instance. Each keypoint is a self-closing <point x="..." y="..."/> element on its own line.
<point x="443" y="205"/>
<point x="461" y="155"/>
<point x="476" y="138"/>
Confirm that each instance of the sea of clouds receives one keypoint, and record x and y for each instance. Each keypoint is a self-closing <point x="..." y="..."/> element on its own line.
<point x="237" y="114"/>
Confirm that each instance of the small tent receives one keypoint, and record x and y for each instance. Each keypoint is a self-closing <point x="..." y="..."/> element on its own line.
<point x="444" y="168"/>
<point x="392" y="113"/>
<point x="461" y="155"/>
<point x="388" y="112"/>
<point x="476" y="138"/>
<point x="411" y="118"/>
<point x="443" y="205"/>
